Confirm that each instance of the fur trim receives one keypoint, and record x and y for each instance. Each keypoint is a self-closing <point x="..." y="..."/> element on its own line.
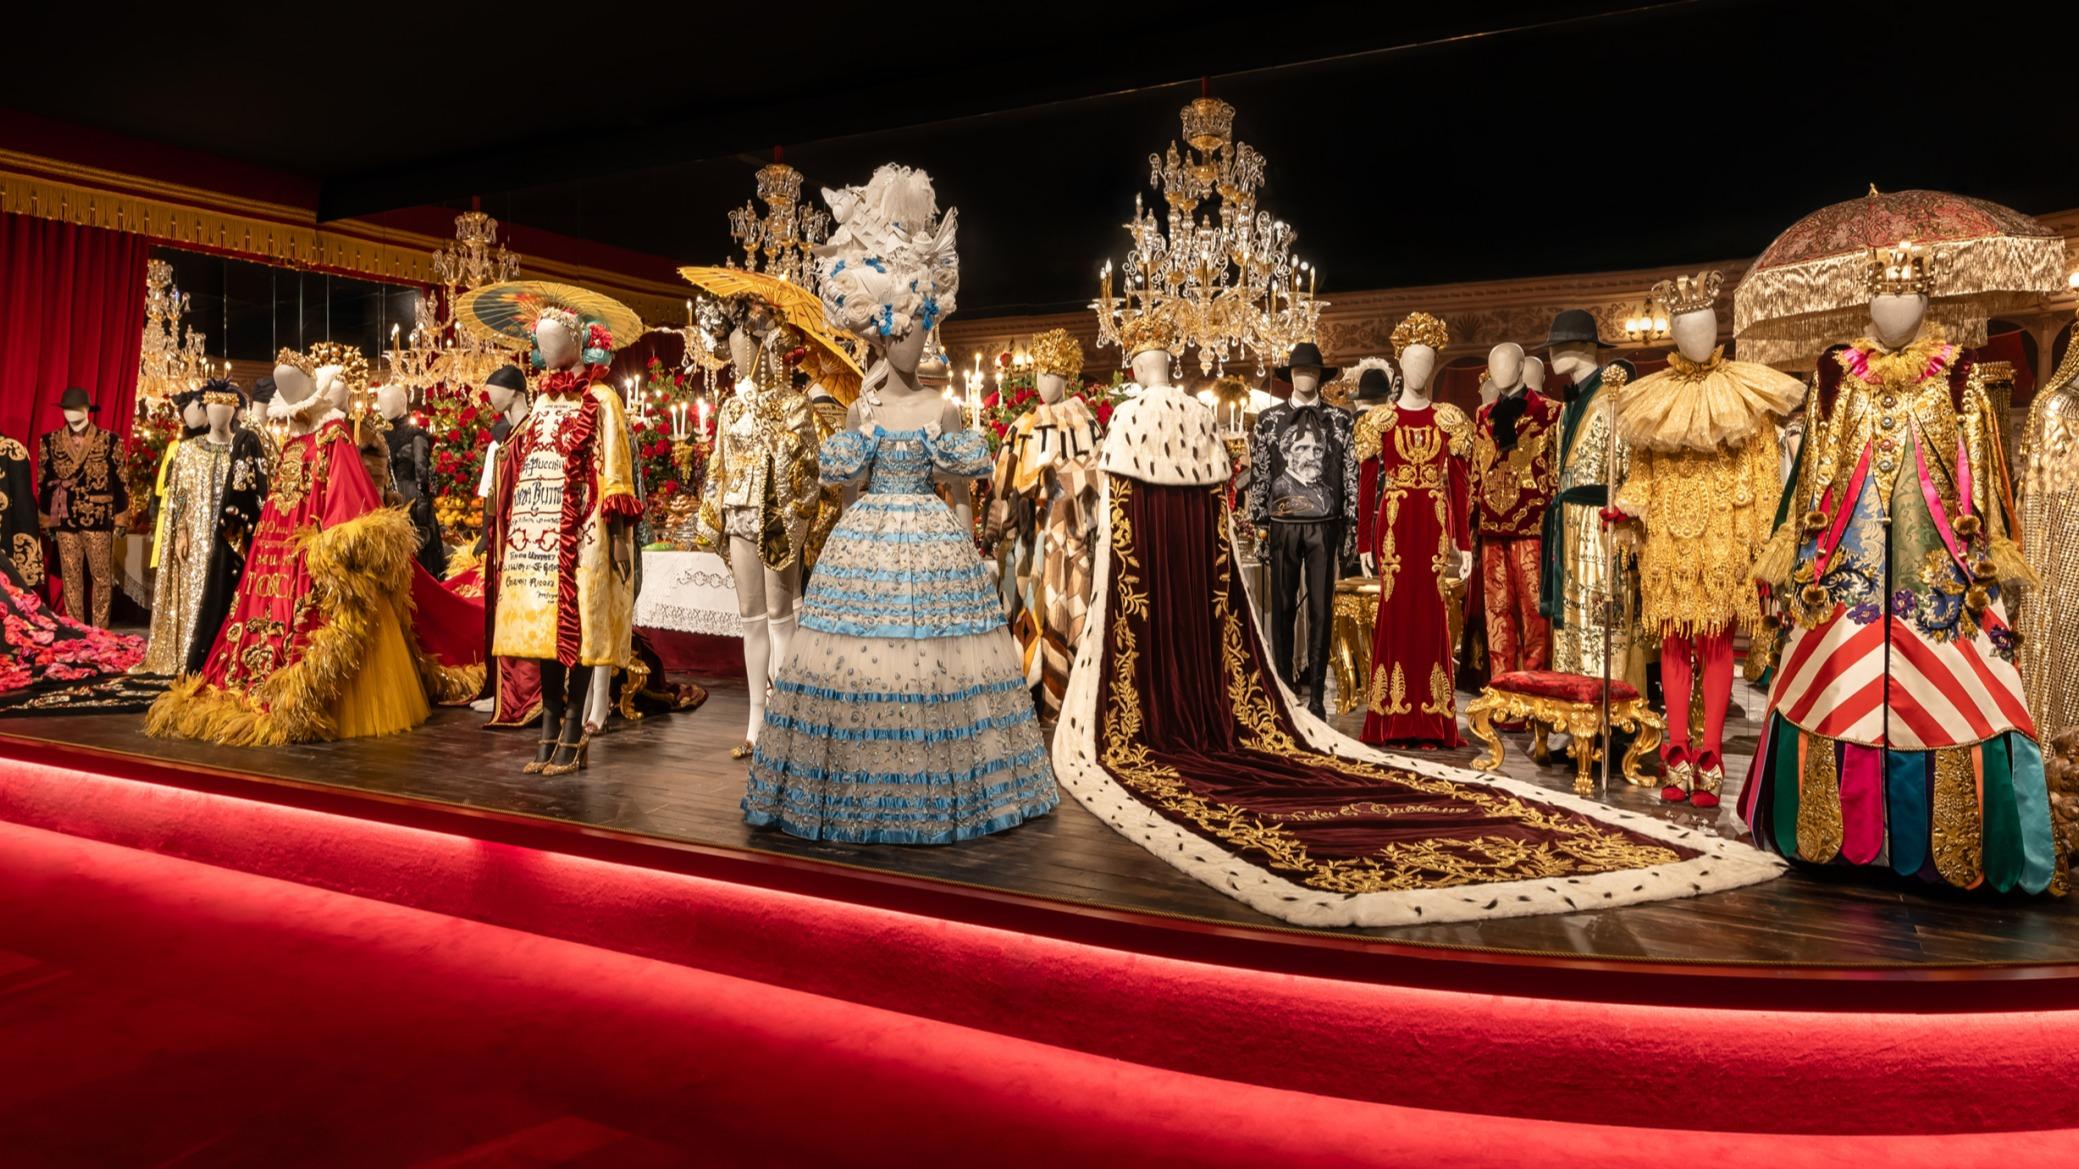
<point x="1166" y="437"/>
<point x="357" y="570"/>
<point x="1722" y="864"/>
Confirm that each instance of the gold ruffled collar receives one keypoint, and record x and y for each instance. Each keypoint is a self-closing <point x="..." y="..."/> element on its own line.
<point x="1703" y="405"/>
<point x="1927" y="356"/>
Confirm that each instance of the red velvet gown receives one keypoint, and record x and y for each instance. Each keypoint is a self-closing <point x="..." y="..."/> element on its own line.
<point x="1413" y="518"/>
<point x="319" y="644"/>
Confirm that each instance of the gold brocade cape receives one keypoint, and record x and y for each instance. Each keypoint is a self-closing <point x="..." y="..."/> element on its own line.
<point x="1704" y="483"/>
<point x="2048" y="621"/>
<point x="764" y="466"/>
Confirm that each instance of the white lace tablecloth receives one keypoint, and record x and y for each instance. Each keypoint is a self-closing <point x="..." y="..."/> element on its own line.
<point x="691" y="592"/>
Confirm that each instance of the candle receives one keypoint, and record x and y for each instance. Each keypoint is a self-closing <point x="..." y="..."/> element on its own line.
<point x="703" y="416"/>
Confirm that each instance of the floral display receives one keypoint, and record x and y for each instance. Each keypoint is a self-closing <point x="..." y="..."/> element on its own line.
<point x="460" y="421"/>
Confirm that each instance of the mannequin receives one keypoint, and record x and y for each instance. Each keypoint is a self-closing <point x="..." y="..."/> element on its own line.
<point x="241" y="499"/>
<point x="761" y="493"/>
<point x="512" y="686"/>
<point x="411" y="470"/>
<point x="82" y="500"/>
<point x="901" y="715"/>
<point x="1895" y="555"/>
<point x="191" y="490"/>
<point x="2049" y="617"/>
<point x="829" y="415"/>
<point x="1513" y="481"/>
<point x="1576" y="570"/>
<point x="1534" y="374"/>
<point x="566" y="582"/>
<point x="1043" y="517"/>
<point x="21" y="539"/>
<point x="1303" y="500"/>
<point x="1415" y="521"/>
<point x="1703" y="485"/>
<point x="296" y="662"/>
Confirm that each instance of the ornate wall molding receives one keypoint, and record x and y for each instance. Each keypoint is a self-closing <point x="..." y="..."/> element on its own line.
<point x="274" y="233"/>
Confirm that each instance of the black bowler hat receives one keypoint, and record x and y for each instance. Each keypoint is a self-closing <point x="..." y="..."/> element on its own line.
<point x="76" y="399"/>
<point x="1304" y="354"/>
<point x="1575" y="326"/>
<point x="507" y="377"/>
<point x="1373" y="385"/>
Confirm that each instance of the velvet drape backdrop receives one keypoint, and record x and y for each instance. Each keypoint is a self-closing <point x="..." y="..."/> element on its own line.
<point x="71" y="314"/>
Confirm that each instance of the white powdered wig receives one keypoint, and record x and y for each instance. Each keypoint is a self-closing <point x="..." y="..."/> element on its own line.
<point x="890" y="265"/>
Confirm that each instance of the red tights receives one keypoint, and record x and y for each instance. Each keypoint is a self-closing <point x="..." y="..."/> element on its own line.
<point x="1713" y="651"/>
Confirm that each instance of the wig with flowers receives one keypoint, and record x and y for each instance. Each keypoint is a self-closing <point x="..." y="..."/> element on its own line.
<point x="595" y="340"/>
<point x="890" y="265"/>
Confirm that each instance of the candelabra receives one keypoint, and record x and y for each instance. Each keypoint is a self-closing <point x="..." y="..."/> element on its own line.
<point x="170" y="358"/>
<point x="1218" y="268"/>
<point x="779" y="243"/>
<point x="1648" y="325"/>
<point x="436" y="352"/>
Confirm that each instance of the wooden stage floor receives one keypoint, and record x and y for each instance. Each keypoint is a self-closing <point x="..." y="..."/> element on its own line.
<point x="670" y="776"/>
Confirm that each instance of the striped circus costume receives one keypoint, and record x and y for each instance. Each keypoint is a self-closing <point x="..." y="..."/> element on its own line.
<point x="901" y="715"/>
<point x="1898" y="734"/>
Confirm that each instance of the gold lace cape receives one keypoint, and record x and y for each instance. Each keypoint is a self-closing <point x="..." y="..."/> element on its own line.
<point x="1703" y="406"/>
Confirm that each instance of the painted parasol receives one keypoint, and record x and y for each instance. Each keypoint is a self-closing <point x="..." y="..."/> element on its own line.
<point x="506" y="311"/>
<point x="1807" y="292"/>
<point x="827" y="361"/>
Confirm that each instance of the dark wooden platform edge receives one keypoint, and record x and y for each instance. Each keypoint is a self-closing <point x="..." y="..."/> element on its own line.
<point x="1845" y="986"/>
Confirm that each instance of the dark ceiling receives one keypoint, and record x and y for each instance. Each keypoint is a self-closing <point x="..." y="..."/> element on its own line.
<point x="1408" y="144"/>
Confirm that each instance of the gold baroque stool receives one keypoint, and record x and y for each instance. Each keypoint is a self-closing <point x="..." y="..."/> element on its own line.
<point x="1350" y="640"/>
<point x="1552" y="701"/>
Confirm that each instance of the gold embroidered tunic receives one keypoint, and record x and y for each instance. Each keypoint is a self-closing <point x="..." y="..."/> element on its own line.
<point x="762" y="482"/>
<point x="1703" y="481"/>
<point x="2049" y="619"/>
<point x="1588" y="464"/>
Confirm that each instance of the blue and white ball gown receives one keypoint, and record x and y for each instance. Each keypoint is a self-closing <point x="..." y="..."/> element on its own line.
<point x="901" y="714"/>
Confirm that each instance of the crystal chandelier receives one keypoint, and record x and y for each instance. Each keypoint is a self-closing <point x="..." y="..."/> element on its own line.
<point x="779" y="243"/>
<point x="437" y="352"/>
<point x="1216" y="266"/>
<point x="171" y="358"/>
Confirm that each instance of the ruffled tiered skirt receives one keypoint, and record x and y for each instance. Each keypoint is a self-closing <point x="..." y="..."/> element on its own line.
<point x="901" y="715"/>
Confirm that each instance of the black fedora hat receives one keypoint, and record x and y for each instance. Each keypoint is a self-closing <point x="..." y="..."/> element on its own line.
<point x="1304" y="354"/>
<point x="1575" y="326"/>
<point x="263" y="390"/>
<point x="1373" y="385"/>
<point x="76" y="399"/>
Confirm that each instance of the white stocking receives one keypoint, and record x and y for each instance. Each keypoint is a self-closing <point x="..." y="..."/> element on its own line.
<point x="757" y="670"/>
<point x="781" y="630"/>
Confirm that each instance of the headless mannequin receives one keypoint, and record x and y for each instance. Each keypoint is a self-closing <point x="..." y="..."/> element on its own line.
<point x="1151" y="369"/>
<point x="294" y="388"/>
<point x="1505" y="368"/>
<point x="1418" y="364"/>
<point x="904" y="402"/>
<point x="391" y="402"/>
<point x="765" y="599"/>
<point x="1534" y="374"/>
<point x="218" y="419"/>
<point x="1577" y="362"/>
<point x="1696" y="334"/>
<point x="511" y="403"/>
<point x="76" y="421"/>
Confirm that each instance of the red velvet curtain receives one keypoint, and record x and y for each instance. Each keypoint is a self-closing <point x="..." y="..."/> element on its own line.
<point x="71" y="314"/>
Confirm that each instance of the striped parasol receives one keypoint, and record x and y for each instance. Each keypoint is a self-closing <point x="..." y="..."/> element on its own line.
<point x="1807" y="291"/>
<point x="506" y="311"/>
<point x="828" y="362"/>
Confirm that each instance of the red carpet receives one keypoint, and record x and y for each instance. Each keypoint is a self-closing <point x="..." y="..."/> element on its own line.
<point x="162" y="1011"/>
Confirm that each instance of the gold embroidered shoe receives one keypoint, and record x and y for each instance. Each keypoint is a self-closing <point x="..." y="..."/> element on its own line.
<point x="1681" y="775"/>
<point x="1710" y="778"/>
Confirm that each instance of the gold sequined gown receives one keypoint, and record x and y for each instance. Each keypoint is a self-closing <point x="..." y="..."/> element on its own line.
<point x="2049" y="502"/>
<point x="191" y="496"/>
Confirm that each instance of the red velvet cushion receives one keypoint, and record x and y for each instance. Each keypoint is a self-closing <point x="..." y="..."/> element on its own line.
<point x="1565" y="687"/>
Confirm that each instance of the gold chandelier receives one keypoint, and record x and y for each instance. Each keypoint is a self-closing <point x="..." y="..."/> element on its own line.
<point x="171" y="358"/>
<point x="437" y="352"/>
<point x="778" y="244"/>
<point x="1219" y="269"/>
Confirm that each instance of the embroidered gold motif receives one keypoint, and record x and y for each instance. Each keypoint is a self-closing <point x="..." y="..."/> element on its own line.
<point x="292" y="480"/>
<point x="1958" y="828"/>
<point x="1389" y="693"/>
<point x="1440" y="696"/>
<point x="1819" y="803"/>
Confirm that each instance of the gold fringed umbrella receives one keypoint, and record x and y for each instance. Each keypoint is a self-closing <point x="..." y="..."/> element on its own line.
<point x="1807" y="292"/>
<point x="828" y="362"/>
<point x="507" y="310"/>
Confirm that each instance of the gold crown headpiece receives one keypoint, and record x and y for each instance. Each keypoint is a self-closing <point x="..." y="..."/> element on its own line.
<point x="1150" y="329"/>
<point x="1420" y="329"/>
<point x="293" y="358"/>
<point x="1900" y="271"/>
<point x="1690" y="294"/>
<point x="564" y="317"/>
<point x="352" y="363"/>
<point x="1057" y="351"/>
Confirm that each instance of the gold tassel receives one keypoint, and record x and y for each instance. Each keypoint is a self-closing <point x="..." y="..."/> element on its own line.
<point x="1773" y="563"/>
<point x="2009" y="565"/>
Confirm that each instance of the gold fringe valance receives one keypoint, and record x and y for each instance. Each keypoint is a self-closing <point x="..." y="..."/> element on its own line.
<point x="1792" y="312"/>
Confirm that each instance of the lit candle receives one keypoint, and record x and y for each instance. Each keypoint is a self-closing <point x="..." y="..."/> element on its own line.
<point x="703" y="416"/>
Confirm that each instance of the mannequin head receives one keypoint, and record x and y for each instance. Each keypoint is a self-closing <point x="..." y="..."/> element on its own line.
<point x="1488" y="393"/>
<point x="1695" y="333"/>
<point x="1576" y="361"/>
<point x="558" y="345"/>
<point x="1051" y="387"/>
<point x="292" y="386"/>
<point x="1418" y="363"/>
<point x="1534" y="373"/>
<point x="904" y="351"/>
<point x="743" y="351"/>
<point x="333" y="387"/>
<point x="193" y="415"/>
<point x="218" y="415"/>
<point x="76" y="419"/>
<point x="391" y="402"/>
<point x="1306" y="382"/>
<point x="1895" y="318"/>
<point x="1151" y="368"/>
<point x="1505" y="366"/>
